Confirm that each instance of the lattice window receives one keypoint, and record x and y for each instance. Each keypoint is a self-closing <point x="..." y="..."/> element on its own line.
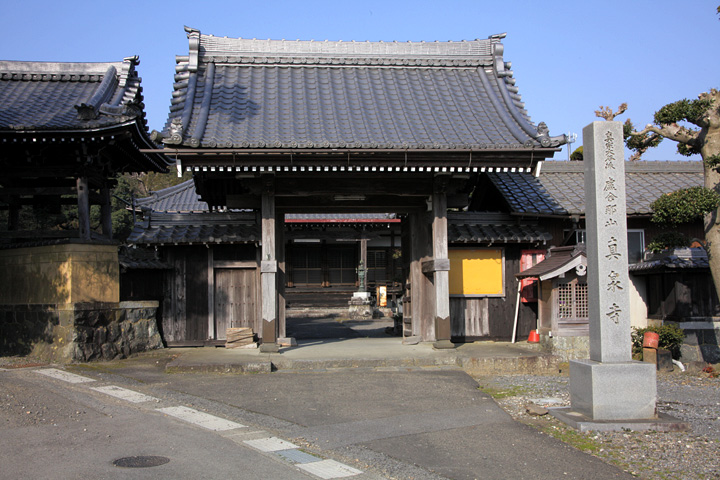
<point x="581" y="300"/>
<point x="572" y="301"/>
<point x="565" y="300"/>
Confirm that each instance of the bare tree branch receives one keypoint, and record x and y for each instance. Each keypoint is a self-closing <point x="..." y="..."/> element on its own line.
<point x="607" y="113"/>
<point x="673" y="131"/>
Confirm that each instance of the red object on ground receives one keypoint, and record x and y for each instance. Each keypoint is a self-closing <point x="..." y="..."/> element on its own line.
<point x="533" y="337"/>
<point x="651" y="340"/>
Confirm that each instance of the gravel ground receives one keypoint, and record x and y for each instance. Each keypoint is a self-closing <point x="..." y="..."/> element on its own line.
<point x="692" y="397"/>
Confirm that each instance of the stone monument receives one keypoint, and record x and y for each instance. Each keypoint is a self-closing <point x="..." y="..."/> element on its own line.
<point x="609" y="388"/>
<point x="360" y="305"/>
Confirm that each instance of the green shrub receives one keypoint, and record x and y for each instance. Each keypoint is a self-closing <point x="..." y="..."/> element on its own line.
<point x="668" y="240"/>
<point x="671" y="338"/>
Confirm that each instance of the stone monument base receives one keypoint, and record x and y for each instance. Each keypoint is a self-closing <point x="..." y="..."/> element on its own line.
<point x="613" y="391"/>
<point x="614" y="397"/>
<point x="360" y="306"/>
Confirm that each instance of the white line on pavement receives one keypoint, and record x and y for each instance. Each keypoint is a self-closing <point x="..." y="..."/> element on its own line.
<point x="271" y="444"/>
<point x="328" y="469"/>
<point x="64" y="376"/>
<point x="201" y="419"/>
<point x="125" y="394"/>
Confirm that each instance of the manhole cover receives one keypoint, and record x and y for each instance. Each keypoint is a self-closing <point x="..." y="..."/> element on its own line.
<point x="143" y="461"/>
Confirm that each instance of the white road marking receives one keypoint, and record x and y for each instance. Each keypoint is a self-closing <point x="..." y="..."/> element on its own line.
<point x="125" y="394"/>
<point x="297" y="456"/>
<point x="64" y="376"/>
<point x="328" y="469"/>
<point x="271" y="444"/>
<point x="201" y="419"/>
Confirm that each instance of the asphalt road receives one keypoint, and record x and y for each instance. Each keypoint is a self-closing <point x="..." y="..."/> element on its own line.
<point x="52" y="429"/>
<point x="394" y="423"/>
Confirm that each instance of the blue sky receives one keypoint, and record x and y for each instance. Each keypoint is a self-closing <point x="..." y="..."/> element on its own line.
<point x="568" y="57"/>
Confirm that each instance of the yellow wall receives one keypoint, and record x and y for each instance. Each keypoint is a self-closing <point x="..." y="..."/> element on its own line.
<point x="59" y="274"/>
<point x="476" y="271"/>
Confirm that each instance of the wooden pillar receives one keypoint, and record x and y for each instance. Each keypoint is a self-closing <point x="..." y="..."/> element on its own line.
<point x="106" y="211"/>
<point x="268" y="269"/>
<point x="83" y="197"/>
<point x="363" y="259"/>
<point x="421" y="288"/>
<point x="281" y="276"/>
<point x="441" y="267"/>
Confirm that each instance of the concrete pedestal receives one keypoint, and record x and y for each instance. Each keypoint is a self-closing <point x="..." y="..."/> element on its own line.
<point x="613" y="391"/>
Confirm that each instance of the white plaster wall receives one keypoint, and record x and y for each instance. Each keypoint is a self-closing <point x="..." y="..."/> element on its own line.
<point x="638" y="301"/>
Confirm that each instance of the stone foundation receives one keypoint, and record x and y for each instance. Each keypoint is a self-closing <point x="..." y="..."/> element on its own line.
<point x="702" y="342"/>
<point x="79" y="332"/>
<point x="566" y="348"/>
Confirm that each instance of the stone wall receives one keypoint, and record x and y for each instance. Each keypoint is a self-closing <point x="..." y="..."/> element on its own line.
<point x="79" y="332"/>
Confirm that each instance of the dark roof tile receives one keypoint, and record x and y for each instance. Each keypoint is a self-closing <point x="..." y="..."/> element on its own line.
<point x="243" y="93"/>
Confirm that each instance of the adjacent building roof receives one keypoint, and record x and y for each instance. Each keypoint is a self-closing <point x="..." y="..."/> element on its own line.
<point x="181" y="198"/>
<point x="466" y="227"/>
<point x="197" y="228"/>
<point x="235" y="93"/>
<point x="677" y="259"/>
<point x="558" y="261"/>
<point x="560" y="187"/>
<point x="64" y="104"/>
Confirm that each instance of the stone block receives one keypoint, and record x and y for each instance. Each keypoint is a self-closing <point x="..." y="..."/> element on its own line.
<point x="613" y="391"/>
<point x="650" y="355"/>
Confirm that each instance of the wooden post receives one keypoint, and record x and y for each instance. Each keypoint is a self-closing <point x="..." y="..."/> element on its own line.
<point x="106" y="212"/>
<point x="422" y="292"/>
<point x="268" y="269"/>
<point x="441" y="267"/>
<point x="281" y="276"/>
<point x="83" y="197"/>
<point x="212" y="334"/>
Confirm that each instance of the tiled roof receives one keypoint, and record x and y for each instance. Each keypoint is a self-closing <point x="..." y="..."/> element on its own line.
<point x="267" y="94"/>
<point x="526" y="194"/>
<point x="69" y="96"/>
<point x="469" y="227"/>
<point x="198" y="228"/>
<point x="176" y="199"/>
<point x="560" y="188"/>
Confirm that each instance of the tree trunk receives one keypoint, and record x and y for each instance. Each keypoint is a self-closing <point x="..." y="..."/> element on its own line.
<point x="710" y="148"/>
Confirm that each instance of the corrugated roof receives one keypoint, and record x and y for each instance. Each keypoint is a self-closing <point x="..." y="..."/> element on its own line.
<point x="240" y="93"/>
<point x="69" y="96"/>
<point x="560" y="188"/>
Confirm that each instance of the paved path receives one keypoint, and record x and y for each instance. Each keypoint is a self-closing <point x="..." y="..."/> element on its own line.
<point x="401" y="422"/>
